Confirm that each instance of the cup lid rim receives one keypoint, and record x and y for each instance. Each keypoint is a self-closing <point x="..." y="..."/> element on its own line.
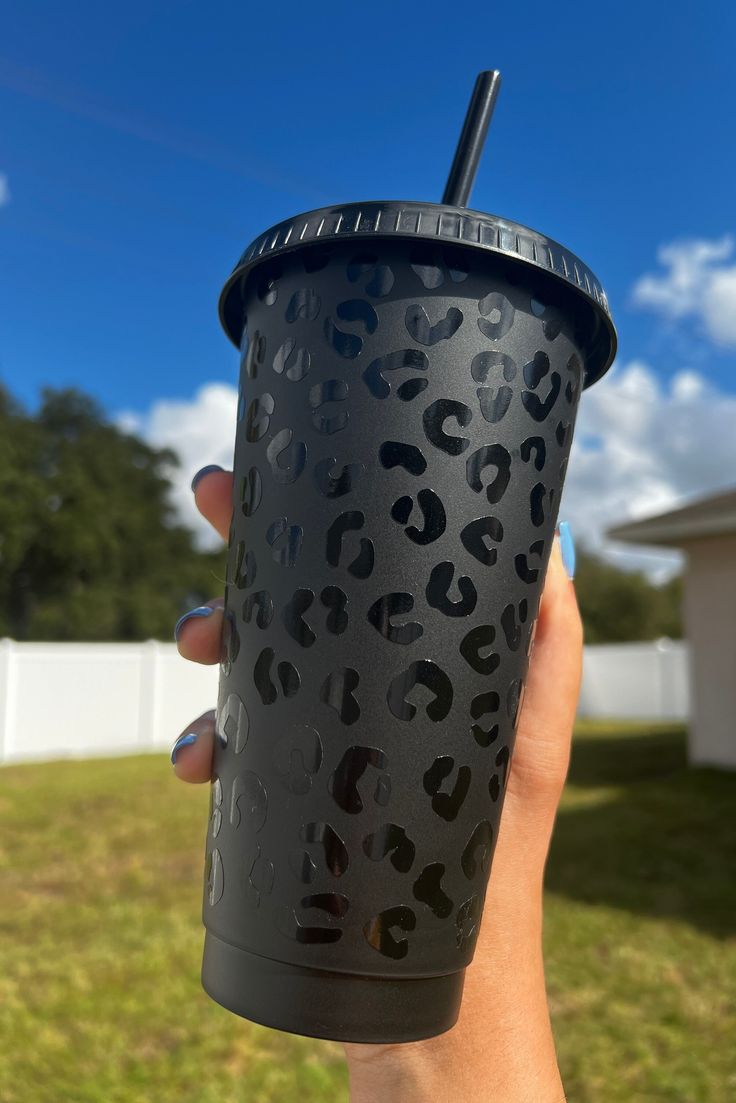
<point x="437" y="222"/>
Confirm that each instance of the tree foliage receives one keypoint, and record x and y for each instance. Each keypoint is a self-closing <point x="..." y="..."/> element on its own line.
<point x="89" y="547"/>
<point x="623" y="606"/>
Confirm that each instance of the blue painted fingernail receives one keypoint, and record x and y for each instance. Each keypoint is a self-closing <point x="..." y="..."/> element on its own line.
<point x="200" y="611"/>
<point x="205" y="471"/>
<point x="182" y="741"/>
<point x="567" y="548"/>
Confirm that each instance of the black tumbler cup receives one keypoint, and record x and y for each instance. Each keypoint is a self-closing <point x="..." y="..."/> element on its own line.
<point x="409" y="385"/>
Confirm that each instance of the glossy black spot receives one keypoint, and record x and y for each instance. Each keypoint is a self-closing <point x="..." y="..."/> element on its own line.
<point x="438" y="589"/>
<point x="537" y="499"/>
<point x="483" y="705"/>
<point x="538" y="447"/>
<point x="334" y="905"/>
<point x="336" y="486"/>
<point x="337" y="692"/>
<point x="551" y="318"/>
<point x="251" y="491"/>
<point x="287" y="457"/>
<point x="378" y="931"/>
<point x="324" y="394"/>
<point x="498" y="781"/>
<point x="289" y="677"/>
<point x="496" y="315"/>
<point x="477" y="641"/>
<point x="260" y="877"/>
<point x="248" y="801"/>
<point x="304" y="304"/>
<point x="390" y="839"/>
<point x="358" y="310"/>
<point x="392" y="605"/>
<point x="230" y="642"/>
<point x="512" y="628"/>
<point x="293" y="360"/>
<point x="262" y="602"/>
<point x="513" y="700"/>
<point x="492" y="363"/>
<point x="375" y="380"/>
<point x="244" y="567"/>
<point x="433" y="515"/>
<point x="540" y="409"/>
<point x="563" y="433"/>
<point x="293" y="617"/>
<point x="425" y="673"/>
<point x="467" y="921"/>
<point x="434" y="419"/>
<point x="253" y="354"/>
<point x="347" y="345"/>
<point x="527" y="573"/>
<point x="297" y="757"/>
<point x="262" y="676"/>
<point x="258" y="418"/>
<point x="343" y="784"/>
<point x="475" y="535"/>
<point x="334" y="851"/>
<point x="423" y="264"/>
<point x="401" y="509"/>
<point x="490" y="455"/>
<point x="421" y="329"/>
<point x="411" y="388"/>
<point x="395" y="454"/>
<point x="380" y="277"/>
<point x="428" y="890"/>
<point x="494" y="405"/>
<point x="476" y="857"/>
<point x="285" y="541"/>
<point x="335" y="599"/>
<point x="233" y="724"/>
<point x="268" y="290"/>
<point x="536" y="370"/>
<point x="352" y="520"/>
<point x="446" y="805"/>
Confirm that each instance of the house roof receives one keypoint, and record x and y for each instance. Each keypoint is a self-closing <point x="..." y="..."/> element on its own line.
<point x="711" y="516"/>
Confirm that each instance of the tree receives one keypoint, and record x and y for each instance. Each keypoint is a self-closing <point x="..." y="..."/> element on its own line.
<point x="89" y="548"/>
<point x="624" y="606"/>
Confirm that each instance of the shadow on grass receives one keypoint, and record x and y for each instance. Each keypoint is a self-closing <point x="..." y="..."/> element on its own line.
<point x="663" y="844"/>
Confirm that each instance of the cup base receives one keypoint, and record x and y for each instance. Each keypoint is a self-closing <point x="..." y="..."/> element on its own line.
<point x="338" y="1006"/>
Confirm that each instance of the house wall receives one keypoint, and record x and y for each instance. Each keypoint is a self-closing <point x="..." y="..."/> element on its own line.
<point x="710" y="622"/>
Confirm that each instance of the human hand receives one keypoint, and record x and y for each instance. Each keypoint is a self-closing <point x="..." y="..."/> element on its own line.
<point x="501" y="1047"/>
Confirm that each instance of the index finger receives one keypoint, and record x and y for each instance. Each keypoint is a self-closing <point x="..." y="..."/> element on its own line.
<point x="213" y="495"/>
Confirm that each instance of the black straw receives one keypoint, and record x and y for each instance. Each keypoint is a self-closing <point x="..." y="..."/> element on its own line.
<point x="470" y="145"/>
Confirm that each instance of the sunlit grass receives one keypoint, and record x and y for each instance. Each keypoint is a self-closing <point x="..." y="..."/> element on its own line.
<point x="100" y="1001"/>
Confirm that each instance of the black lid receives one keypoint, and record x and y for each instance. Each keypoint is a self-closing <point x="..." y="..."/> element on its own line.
<point x="429" y="222"/>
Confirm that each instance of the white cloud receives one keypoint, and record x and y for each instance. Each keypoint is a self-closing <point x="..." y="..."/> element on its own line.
<point x="697" y="282"/>
<point x="4" y="190"/>
<point x="201" y="431"/>
<point x="640" y="447"/>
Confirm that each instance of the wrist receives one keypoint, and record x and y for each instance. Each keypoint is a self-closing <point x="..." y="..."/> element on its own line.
<point x="501" y="1048"/>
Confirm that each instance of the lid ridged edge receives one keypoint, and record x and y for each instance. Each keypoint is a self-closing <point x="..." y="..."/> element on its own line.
<point x="426" y="222"/>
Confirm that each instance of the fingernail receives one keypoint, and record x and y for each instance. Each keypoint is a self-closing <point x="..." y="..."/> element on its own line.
<point x="182" y="741"/>
<point x="205" y="471"/>
<point x="200" y="611"/>
<point x="567" y="548"/>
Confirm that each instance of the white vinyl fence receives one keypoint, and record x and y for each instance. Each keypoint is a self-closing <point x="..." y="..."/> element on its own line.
<point x="85" y="699"/>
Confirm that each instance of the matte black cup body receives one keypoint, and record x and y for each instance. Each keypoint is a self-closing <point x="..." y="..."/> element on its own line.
<point x="405" y="418"/>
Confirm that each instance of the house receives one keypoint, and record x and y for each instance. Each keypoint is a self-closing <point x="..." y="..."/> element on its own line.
<point x="705" y="530"/>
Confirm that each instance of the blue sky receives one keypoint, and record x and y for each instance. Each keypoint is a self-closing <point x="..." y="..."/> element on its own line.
<point x="142" y="146"/>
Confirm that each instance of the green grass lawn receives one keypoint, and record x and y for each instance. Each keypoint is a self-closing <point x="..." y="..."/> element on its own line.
<point x="99" y="957"/>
